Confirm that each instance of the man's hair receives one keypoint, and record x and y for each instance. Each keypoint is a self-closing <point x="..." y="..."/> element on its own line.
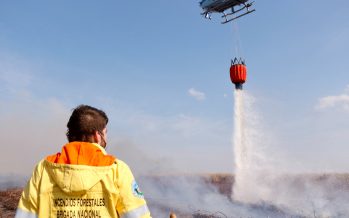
<point x="83" y="123"/>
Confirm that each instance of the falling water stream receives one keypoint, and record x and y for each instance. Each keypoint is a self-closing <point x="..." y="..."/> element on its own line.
<point x="250" y="161"/>
<point x="258" y="181"/>
<point x="240" y="149"/>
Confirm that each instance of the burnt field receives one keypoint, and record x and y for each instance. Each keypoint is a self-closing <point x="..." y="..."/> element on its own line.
<point x="180" y="201"/>
<point x="8" y="202"/>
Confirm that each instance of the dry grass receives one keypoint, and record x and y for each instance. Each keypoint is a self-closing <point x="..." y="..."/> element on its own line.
<point x="8" y="202"/>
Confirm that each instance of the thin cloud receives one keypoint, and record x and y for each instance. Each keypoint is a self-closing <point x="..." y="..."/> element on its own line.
<point x="334" y="101"/>
<point x="200" y="96"/>
<point x="16" y="76"/>
<point x="347" y="89"/>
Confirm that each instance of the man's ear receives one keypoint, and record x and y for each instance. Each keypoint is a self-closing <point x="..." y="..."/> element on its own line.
<point x="96" y="137"/>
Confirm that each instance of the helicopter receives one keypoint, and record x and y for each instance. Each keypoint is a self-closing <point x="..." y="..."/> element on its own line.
<point x="220" y="6"/>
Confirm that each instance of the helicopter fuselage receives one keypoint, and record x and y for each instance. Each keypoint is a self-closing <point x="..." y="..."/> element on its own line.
<point x="219" y="5"/>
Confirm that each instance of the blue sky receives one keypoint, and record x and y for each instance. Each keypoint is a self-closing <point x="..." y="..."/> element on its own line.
<point x="160" y="70"/>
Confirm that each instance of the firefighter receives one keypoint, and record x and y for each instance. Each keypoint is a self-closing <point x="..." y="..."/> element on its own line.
<point x="83" y="181"/>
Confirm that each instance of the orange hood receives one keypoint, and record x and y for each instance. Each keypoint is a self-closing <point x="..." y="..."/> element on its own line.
<point x="82" y="153"/>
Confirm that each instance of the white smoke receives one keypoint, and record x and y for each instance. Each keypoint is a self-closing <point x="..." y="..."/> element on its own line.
<point x="11" y="181"/>
<point x="191" y="195"/>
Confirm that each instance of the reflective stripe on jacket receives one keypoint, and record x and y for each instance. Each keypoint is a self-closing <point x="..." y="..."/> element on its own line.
<point x="82" y="182"/>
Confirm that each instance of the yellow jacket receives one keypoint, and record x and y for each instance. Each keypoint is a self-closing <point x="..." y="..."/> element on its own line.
<point x="82" y="182"/>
